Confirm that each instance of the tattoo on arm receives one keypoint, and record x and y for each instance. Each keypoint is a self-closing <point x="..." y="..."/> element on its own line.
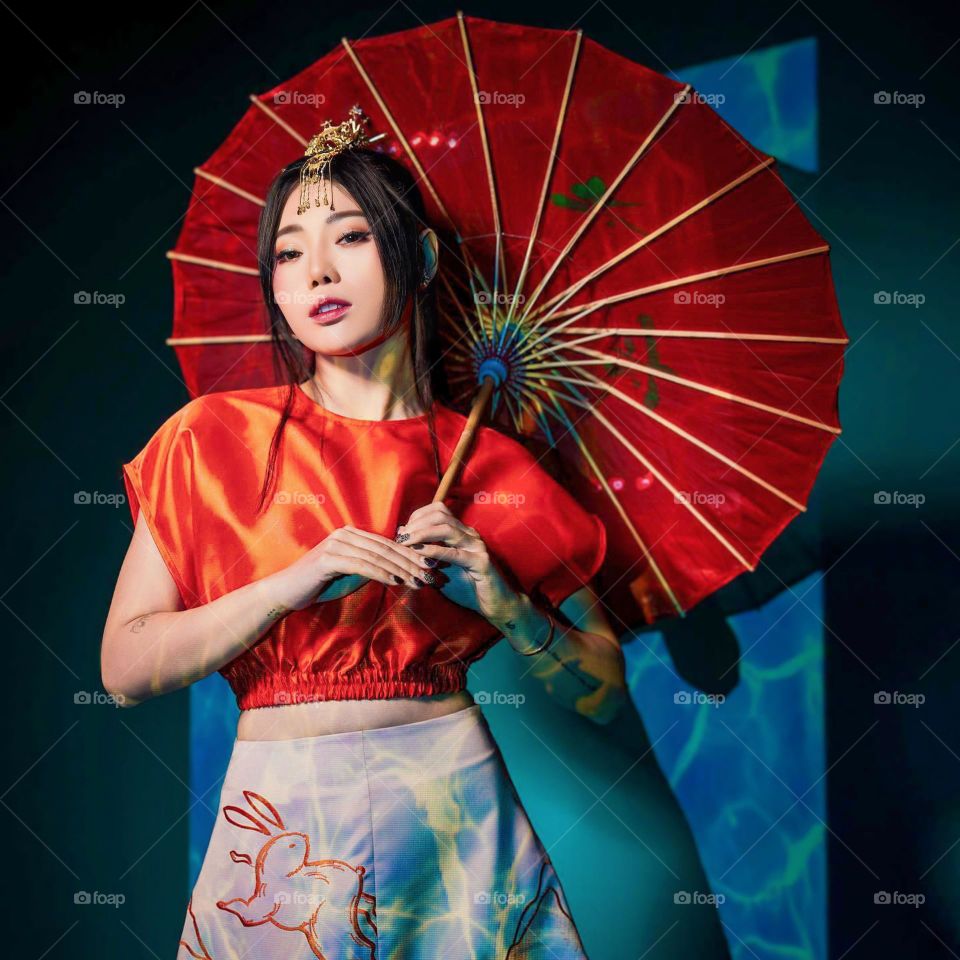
<point x="138" y="624"/>
<point x="569" y="668"/>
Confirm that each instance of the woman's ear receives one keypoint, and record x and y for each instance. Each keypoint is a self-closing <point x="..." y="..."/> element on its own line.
<point x="431" y="257"/>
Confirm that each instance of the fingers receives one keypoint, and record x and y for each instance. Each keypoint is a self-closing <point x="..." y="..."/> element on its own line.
<point x="428" y="515"/>
<point x="426" y="510"/>
<point x="375" y="557"/>
<point x="449" y="532"/>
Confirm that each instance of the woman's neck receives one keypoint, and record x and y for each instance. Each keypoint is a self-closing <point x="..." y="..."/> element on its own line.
<point x="377" y="384"/>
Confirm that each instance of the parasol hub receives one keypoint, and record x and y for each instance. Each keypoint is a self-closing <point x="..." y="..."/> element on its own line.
<point x="495" y="369"/>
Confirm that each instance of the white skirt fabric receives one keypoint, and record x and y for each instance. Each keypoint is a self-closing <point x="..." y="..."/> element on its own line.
<point x="398" y="843"/>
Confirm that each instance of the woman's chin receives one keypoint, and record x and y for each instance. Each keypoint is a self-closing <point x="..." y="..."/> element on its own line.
<point x="334" y="343"/>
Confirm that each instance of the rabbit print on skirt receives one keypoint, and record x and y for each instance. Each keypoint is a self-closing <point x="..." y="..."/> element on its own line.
<point x="397" y="843"/>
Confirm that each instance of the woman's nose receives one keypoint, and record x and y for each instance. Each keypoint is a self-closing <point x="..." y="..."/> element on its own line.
<point x="323" y="270"/>
<point x="324" y="276"/>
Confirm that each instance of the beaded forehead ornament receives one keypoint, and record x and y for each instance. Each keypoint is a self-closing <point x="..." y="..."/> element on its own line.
<point x="324" y="146"/>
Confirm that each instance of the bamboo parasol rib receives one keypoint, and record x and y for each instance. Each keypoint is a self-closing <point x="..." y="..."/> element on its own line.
<point x="628" y="523"/>
<point x="576" y="313"/>
<point x="227" y="185"/>
<point x="214" y="264"/>
<point x="278" y="120"/>
<point x="598" y="334"/>
<point x="590" y="217"/>
<point x="597" y="383"/>
<point x="648" y="465"/>
<point x="500" y="267"/>
<point x="547" y="310"/>
<point x="548" y="172"/>
<point x="606" y="358"/>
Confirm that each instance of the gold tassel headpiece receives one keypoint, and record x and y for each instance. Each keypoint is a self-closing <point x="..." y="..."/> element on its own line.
<point x="324" y="146"/>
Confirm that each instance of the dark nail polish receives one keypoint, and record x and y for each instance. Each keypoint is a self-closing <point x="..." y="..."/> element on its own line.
<point x="416" y="546"/>
<point x="430" y="561"/>
<point x="397" y="579"/>
<point x="419" y="582"/>
<point x="429" y="577"/>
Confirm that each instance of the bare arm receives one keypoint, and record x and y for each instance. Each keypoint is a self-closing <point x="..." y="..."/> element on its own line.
<point x="584" y="667"/>
<point x="151" y="645"/>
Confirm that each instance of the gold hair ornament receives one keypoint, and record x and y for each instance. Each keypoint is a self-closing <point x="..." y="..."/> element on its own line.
<point x="324" y="146"/>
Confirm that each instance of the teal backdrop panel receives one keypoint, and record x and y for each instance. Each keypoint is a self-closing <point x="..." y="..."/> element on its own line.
<point x="769" y="96"/>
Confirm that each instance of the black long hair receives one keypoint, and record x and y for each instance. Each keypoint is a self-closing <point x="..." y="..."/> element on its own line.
<point x="388" y="195"/>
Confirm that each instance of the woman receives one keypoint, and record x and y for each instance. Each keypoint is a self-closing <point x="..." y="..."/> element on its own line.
<point x="284" y="536"/>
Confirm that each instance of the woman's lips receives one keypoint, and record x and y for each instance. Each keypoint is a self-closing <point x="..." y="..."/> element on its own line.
<point x="328" y="317"/>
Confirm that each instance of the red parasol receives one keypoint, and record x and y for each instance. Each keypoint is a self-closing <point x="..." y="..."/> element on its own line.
<point x="648" y="298"/>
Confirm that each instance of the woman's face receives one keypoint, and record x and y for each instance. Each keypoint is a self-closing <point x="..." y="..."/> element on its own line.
<point x="322" y="254"/>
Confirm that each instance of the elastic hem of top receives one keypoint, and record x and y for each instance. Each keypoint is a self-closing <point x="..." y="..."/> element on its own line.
<point x="281" y="691"/>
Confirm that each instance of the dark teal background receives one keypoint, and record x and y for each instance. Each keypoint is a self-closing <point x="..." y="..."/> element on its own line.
<point x="98" y="799"/>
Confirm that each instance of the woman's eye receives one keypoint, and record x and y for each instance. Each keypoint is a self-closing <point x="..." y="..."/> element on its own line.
<point x="352" y="237"/>
<point x="355" y="233"/>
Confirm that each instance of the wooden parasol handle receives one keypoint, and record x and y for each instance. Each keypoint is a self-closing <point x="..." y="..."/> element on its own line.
<point x="460" y="453"/>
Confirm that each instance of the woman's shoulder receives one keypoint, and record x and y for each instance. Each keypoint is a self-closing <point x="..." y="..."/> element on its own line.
<point x="223" y="408"/>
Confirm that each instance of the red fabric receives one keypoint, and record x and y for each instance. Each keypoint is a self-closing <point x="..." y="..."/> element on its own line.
<point x="198" y="479"/>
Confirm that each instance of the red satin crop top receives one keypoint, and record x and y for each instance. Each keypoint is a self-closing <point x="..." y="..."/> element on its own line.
<point x="197" y="482"/>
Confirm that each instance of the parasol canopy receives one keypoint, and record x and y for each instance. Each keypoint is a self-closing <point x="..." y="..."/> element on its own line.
<point x="629" y="281"/>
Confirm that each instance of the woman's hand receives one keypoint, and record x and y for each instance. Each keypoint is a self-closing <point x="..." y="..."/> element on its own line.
<point x="465" y="572"/>
<point x="342" y="563"/>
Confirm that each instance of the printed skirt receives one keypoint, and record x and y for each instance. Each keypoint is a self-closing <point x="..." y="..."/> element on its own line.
<point x="397" y="843"/>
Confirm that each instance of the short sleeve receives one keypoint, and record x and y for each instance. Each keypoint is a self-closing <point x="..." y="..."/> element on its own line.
<point x="552" y="544"/>
<point x="159" y="483"/>
<point x="578" y="561"/>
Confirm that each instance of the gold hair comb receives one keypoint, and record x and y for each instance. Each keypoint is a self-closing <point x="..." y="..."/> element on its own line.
<point x="324" y="146"/>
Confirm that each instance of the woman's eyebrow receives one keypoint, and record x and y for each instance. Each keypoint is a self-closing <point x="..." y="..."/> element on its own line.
<point x="333" y="218"/>
<point x="340" y="214"/>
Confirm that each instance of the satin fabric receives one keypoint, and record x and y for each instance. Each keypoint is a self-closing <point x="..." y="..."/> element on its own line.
<point x="197" y="482"/>
<point x="406" y="842"/>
